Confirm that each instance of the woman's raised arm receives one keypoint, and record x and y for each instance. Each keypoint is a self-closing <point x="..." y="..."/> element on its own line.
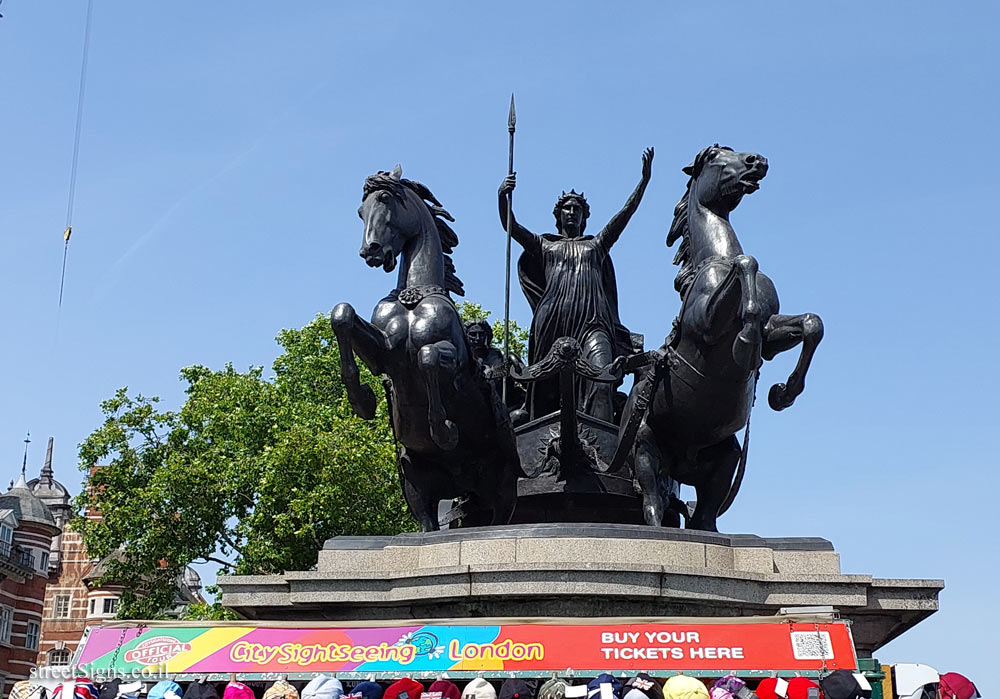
<point x="611" y="232"/>
<point x="528" y="240"/>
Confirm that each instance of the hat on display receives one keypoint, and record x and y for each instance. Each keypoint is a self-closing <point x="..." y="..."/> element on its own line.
<point x="955" y="686"/>
<point x="731" y="687"/>
<point x="479" y="689"/>
<point x="82" y="688"/>
<point x="131" y="690"/>
<point x="604" y="686"/>
<point x="844" y="684"/>
<point x="108" y="690"/>
<point x="405" y="688"/>
<point x="164" y="689"/>
<point x="282" y="689"/>
<point x="554" y="688"/>
<point x="238" y="690"/>
<point x="516" y="689"/>
<point x="642" y="686"/>
<point x="26" y="690"/>
<point x="798" y="687"/>
<point x="443" y="689"/>
<point x="201" y="690"/>
<point x="322" y="687"/>
<point x="366" y="690"/>
<point x="684" y="687"/>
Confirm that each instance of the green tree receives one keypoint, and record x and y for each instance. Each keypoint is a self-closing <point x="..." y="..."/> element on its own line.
<point x="518" y="335"/>
<point x="252" y="473"/>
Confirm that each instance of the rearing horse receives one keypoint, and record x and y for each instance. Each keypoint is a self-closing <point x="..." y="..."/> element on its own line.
<point x="705" y="381"/>
<point x="455" y="434"/>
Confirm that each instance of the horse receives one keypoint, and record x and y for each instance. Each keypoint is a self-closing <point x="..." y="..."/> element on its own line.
<point x="454" y="432"/>
<point x="703" y="384"/>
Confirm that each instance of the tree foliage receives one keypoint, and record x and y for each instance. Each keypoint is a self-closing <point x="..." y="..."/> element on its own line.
<point x="251" y="473"/>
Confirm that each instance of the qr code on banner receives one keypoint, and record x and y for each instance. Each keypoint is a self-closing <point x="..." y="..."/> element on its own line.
<point x="812" y="645"/>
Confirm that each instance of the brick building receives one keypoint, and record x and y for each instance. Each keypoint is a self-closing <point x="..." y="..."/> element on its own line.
<point x="76" y="597"/>
<point x="27" y="528"/>
<point x="68" y="608"/>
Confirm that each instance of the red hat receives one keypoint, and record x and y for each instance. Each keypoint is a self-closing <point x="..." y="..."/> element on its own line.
<point x="956" y="686"/>
<point x="404" y="689"/>
<point x="798" y="687"/>
<point x="443" y="689"/>
<point x="765" y="690"/>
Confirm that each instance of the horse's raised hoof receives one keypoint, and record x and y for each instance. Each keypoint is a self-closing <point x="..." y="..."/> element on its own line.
<point x="365" y="404"/>
<point x="779" y="398"/>
<point x="445" y="434"/>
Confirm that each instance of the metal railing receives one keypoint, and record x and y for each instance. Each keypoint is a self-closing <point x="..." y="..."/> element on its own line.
<point x="17" y="555"/>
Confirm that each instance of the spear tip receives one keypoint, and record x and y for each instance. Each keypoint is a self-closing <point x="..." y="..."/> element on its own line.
<point x="512" y="117"/>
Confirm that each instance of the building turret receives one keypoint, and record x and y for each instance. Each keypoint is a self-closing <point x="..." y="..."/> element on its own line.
<point x="55" y="496"/>
<point x="26" y="531"/>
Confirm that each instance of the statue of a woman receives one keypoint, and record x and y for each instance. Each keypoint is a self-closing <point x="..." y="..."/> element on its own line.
<point x="569" y="282"/>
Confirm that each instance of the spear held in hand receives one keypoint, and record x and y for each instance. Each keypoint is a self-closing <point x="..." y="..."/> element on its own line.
<point x="511" y="124"/>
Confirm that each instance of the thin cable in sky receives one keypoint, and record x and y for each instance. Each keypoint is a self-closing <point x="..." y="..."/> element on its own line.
<point x="76" y="150"/>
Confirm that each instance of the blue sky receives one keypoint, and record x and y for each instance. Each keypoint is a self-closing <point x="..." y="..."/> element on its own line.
<point x="224" y="146"/>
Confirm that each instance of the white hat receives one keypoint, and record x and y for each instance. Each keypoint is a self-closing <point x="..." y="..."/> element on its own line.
<point x="323" y="687"/>
<point x="479" y="689"/>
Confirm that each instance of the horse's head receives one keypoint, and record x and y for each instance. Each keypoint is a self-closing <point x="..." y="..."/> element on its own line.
<point x="391" y="215"/>
<point x="720" y="177"/>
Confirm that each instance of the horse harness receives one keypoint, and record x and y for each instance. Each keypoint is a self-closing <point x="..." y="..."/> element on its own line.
<point x="661" y="362"/>
<point x="411" y="296"/>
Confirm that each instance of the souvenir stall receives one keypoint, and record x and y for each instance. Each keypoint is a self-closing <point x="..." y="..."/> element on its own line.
<point x="762" y="657"/>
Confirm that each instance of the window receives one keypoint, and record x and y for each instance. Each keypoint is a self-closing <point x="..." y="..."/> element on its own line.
<point x="90" y="608"/>
<point x="6" y="616"/>
<point x="60" y="606"/>
<point x="110" y="605"/>
<point x="31" y="638"/>
<point x="59" y="656"/>
<point x="6" y="541"/>
<point x="43" y="561"/>
<point x="25" y="557"/>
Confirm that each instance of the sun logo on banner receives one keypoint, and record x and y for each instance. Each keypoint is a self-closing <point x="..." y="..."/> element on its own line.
<point x="425" y="642"/>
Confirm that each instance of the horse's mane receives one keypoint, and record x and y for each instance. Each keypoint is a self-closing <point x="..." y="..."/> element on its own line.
<point x="679" y="226"/>
<point x="385" y="182"/>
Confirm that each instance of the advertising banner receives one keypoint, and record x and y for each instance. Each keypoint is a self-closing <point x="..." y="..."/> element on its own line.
<point x="521" y="648"/>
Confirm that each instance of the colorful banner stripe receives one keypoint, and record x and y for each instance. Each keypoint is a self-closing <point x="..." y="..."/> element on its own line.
<point x="521" y="648"/>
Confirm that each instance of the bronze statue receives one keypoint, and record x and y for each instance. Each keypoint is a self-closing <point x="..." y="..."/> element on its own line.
<point x="455" y="434"/>
<point x="480" y="334"/>
<point x="690" y="400"/>
<point x="700" y="390"/>
<point x="569" y="281"/>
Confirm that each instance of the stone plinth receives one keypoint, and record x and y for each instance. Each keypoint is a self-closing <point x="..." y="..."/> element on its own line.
<point x="581" y="570"/>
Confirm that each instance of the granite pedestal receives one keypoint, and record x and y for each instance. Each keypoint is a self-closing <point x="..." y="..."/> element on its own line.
<point x="582" y="570"/>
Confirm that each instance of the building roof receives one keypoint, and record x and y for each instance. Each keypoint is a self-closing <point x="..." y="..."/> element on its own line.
<point x="26" y="507"/>
<point x="46" y="488"/>
<point x="100" y="567"/>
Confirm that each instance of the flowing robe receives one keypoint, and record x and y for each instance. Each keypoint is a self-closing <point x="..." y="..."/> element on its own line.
<point x="570" y="285"/>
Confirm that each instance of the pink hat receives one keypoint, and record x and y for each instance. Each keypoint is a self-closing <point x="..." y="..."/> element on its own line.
<point x="237" y="690"/>
<point x="956" y="686"/>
